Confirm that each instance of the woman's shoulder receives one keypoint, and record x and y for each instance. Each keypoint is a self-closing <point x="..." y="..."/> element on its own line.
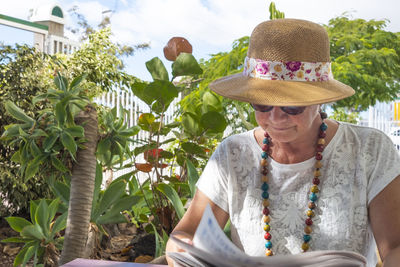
<point x="364" y="135"/>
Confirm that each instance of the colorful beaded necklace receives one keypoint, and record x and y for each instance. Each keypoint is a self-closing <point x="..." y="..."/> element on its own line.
<point x="313" y="191"/>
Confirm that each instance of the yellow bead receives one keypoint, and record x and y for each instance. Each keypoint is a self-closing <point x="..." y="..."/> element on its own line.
<point x="266" y="219"/>
<point x="268" y="252"/>
<point x="305" y="247"/>
<point x="321" y="141"/>
<point x="264" y="162"/>
<point x="307" y="230"/>
<point x="310" y="213"/>
<point x="265" y="179"/>
<point x="318" y="164"/>
<point x="267" y="227"/>
<point x="317" y="173"/>
<point x="314" y="189"/>
<point x="265" y="202"/>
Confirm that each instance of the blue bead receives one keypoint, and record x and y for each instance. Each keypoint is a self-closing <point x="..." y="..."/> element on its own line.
<point x="264" y="187"/>
<point x="265" y="195"/>
<point x="323" y="127"/>
<point x="268" y="244"/>
<point x="265" y="141"/>
<point x="306" y="238"/>
<point x="313" y="197"/>
<point x="264" y="155"/>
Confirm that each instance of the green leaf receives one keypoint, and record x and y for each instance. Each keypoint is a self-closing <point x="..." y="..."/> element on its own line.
<point x="139" y="90"/>
<point x="193" y="148"/>
<point x="111" y="195"/>
<point x="59" y="224"/>
<point x="193" y="176"/>
<point x="32" y="168"/>
<point x="33" y="231"/>
<point x="16" y="157"/>
<point x="58" y="164"/>
<point x="214" y="121"/>
<point x="211" y="102"/>
<point x="130" y="131"/>
<point x="185" y="64"/>
<point x="97" y="185"/>
<point x="15" y="240"/>
<point x="145" y="120"/>
<point x="17" y="113"/>
<point x="30" y="252"/>
<point x="39" y="98"/>
<point x="60" y="113"/>
<point x="17" y="223"/>
<point x="52" y="210"/>
<point x="77" y="80"/>
<point x="42" y="216"/>
<point x="61" y="82"/>
<point x="49" y="142"/>
<point x="76" y="131"/>
<point x="62" y="191"/>
<point x="163" y="92"/>
<point x="173" y="196"/>
<point x="157" y="69"/>
<point x="20" y="256"/>
<point x="32" y="210"/>
<point x="68" y="142"/>
<point x="190" y="124"/>
<point x="114" y="215"/>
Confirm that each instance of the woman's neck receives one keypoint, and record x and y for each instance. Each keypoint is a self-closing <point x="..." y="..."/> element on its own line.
<point x="300" y="149"/>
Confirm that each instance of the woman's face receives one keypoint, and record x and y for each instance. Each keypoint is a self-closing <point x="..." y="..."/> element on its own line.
<point x="283" y="127"/>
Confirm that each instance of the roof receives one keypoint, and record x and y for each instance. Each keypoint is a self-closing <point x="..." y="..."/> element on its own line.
<point x="49" y="12"/>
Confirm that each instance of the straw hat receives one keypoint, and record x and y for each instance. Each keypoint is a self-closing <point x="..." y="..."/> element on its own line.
<point x="287" y="64"/>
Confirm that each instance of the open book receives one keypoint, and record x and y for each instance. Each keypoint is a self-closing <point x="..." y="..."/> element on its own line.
<point x="211" y="247"/>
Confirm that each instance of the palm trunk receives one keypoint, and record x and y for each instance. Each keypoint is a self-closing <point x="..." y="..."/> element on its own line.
<point x="82" y="187"/>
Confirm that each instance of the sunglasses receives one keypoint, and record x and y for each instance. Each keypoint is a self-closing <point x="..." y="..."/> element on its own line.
<point x="287" y="110"/>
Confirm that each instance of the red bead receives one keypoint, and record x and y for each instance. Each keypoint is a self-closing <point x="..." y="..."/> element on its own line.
<point x="267" y="236"/>
<point x="266" y="135"/>
<point x="265" y="147"/>
<point x="266" y="211"/>
<point x="309" y="222"/>
<point x="316" y="181"/>
<point x="321" y="134"/>
<point x="320" y="148"/>
<point x="264" y="171"/>
<point x="318" y="156"/>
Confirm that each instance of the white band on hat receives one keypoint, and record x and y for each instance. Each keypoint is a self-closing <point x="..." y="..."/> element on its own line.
<point x="288" y="71"/>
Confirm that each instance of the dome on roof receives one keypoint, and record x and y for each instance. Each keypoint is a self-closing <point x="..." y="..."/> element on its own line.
<point x="49" y="12"/>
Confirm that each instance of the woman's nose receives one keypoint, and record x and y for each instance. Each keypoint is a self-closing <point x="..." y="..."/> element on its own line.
<point x="277" y="114"/>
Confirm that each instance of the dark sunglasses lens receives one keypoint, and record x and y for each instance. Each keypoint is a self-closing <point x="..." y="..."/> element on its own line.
<point x="262" y="108"/>
<point x="293" y="110"/>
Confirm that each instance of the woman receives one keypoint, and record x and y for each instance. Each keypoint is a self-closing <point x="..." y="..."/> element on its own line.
<point x="298" y="182"/>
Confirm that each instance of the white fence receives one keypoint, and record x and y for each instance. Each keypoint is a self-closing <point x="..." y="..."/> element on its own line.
<point x="135" y="107"/>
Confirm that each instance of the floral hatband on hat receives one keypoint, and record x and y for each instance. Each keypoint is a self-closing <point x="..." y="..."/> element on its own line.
<point x="287" y="63"/>
<point x="288" y="71"/>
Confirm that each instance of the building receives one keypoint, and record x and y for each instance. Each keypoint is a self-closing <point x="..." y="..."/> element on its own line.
<point x="47" y="25"/>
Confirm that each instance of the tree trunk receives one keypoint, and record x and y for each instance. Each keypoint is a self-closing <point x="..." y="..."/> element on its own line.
<point x="82" y="187"/>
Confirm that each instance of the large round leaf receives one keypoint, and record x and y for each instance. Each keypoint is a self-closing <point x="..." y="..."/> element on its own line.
<point x="157" y="69"/>
<point x="214" y="121"/>
<point x="190" y="124"/>
<point x="185" y="64"/>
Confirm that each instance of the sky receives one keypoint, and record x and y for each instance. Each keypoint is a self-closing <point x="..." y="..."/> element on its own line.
<point x="211" y="26"/>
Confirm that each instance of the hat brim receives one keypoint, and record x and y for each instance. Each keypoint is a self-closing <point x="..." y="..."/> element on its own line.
<point x="278" y="92"/>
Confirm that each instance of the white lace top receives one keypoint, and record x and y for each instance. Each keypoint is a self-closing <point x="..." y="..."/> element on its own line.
<point x="357" y="164"/>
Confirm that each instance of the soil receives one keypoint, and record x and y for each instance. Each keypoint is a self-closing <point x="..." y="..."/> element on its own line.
<point x="125" y="243"/>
